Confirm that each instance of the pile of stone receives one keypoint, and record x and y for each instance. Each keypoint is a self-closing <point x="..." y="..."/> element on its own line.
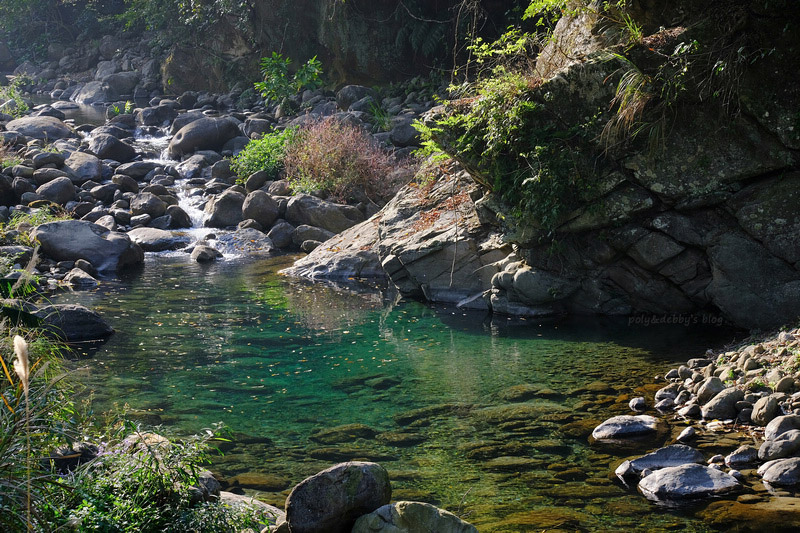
<point x="753" y="389"/>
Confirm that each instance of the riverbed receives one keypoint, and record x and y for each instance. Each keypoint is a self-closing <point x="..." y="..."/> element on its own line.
<point x="483" y="416"/>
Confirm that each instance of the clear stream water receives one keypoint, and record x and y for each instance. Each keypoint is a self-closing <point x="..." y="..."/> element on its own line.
<point x="485" y="417"/>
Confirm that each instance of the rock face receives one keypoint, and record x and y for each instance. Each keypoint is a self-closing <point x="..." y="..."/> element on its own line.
<point x="429" y="243"/>
<point x="411" y="517"/>
<point x="333" y="499"/>
<point x="686" y="482"/>
<point x="70" y="240"/>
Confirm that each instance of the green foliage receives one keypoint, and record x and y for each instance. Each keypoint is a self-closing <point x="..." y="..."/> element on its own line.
<point x="266" y="153"/>
<point x="12" y="92"/>
<point x="21" y="224"/>
<point x="144" y="482"/>
<point x="279" y="84"/>
<point x="509" y="140"/>
<point x="545" y="11"/>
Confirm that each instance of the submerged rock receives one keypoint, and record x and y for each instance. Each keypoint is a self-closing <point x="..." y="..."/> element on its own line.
<point x="411" y="517"/>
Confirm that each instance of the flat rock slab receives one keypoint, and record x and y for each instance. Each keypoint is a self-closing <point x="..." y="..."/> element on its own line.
<point x="687" y="482"/>
<point x="245" y="241"/>
<point x="158" y="240"/>
<point x="626" y="426"/>
<point x="411" y="517"/>
<point x="674" y="455"/>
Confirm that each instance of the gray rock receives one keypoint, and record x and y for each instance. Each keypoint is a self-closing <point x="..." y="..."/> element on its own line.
<point x="333" y="499"/>
<point x="710" y="388"/>
<point x="764" y="410"/>
<point x="125" y="183"/>
<point x="224" y="210"/>
<point x="781" y="472"/>
<point x="156" y="116"/>
<point x="411" y="517"/>
<point x="261" y="207"/>
<point x="687" y="482"/>
<point x="84" y="167"/>
<point x="637" y="404"/>
<point x="723" y="405"/>
<point x="404" y="134"/>
<point x="94" y="92"/>
<point x="179" y="217"/>
<point x="107" y="146"/>
<point x="158" y="240"/>
<point x="625" y="426"/>
<point x="80" y="279"/>
<point x="687" y="434"/>
<point x="350" y="94"/>
<point x="43" y="128"/>
<point x="70" y="240"/>
<point x="781" y="425"/>
<point x="305" y="232"/>
<point x="674" y="455"/>
<point x="205" y="254"/>
<point x="146" y="203"/>
<point x="137" y="169"/>
<point x="306" y="209"/>
<point x="203" y="134"/>
<point x="309" y="245"/>
<point x="59" y="191"/>
<point x="533" y="287"/>
<point x="743" y="455"/>
<point x="786" y="444"/>
<point x="281" y="234"/>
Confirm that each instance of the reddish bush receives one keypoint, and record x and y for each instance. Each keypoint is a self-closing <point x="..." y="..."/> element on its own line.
<point x="343" y="163"/>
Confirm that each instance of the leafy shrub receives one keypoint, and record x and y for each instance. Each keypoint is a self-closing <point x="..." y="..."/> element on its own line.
<point x="278" y="84"/>
<point x="342" y="162"/>
<point x="266" y="153"/>
<point x="13" y="93"/>
<point x="144" y="482"/>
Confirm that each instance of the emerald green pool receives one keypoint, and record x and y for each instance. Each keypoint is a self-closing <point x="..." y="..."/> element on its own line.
<point x="485" y="417"/>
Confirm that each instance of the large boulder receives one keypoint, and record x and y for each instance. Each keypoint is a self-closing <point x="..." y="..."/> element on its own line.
<point x="74" y="323"/>
<point x="59" y="191"/>
<point x="411" y="517"/>
<point x="687" y="482"/>
<point x="156" y="116"/>
<point x="723" y="405"/>
<point x="107" y="146"/>
<point x="203" y="134"/>
<point x="43" y="128"/>
<point x="260" y="207"/>
<point x="224" y="210"/>
<point x="84" y="167"/>
<point x="66" y="322"/>
<point x="121" y="83"/>
<point x="780" y="425"/>
<point x="147" y="203"/>
<point x="70" y="240"/>
<point x="781" y="472"/>
<point x="310" y="210"/>
<point x="95" y="92"/>
<point x="332" y="500"/>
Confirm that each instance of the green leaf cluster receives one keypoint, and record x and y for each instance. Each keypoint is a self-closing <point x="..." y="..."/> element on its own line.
<point x="279" y="84"/>
<point x="266" y="153"/>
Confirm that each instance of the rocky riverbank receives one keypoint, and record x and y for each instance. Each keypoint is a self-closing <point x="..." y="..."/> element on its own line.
<point x="732" y="421"/>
